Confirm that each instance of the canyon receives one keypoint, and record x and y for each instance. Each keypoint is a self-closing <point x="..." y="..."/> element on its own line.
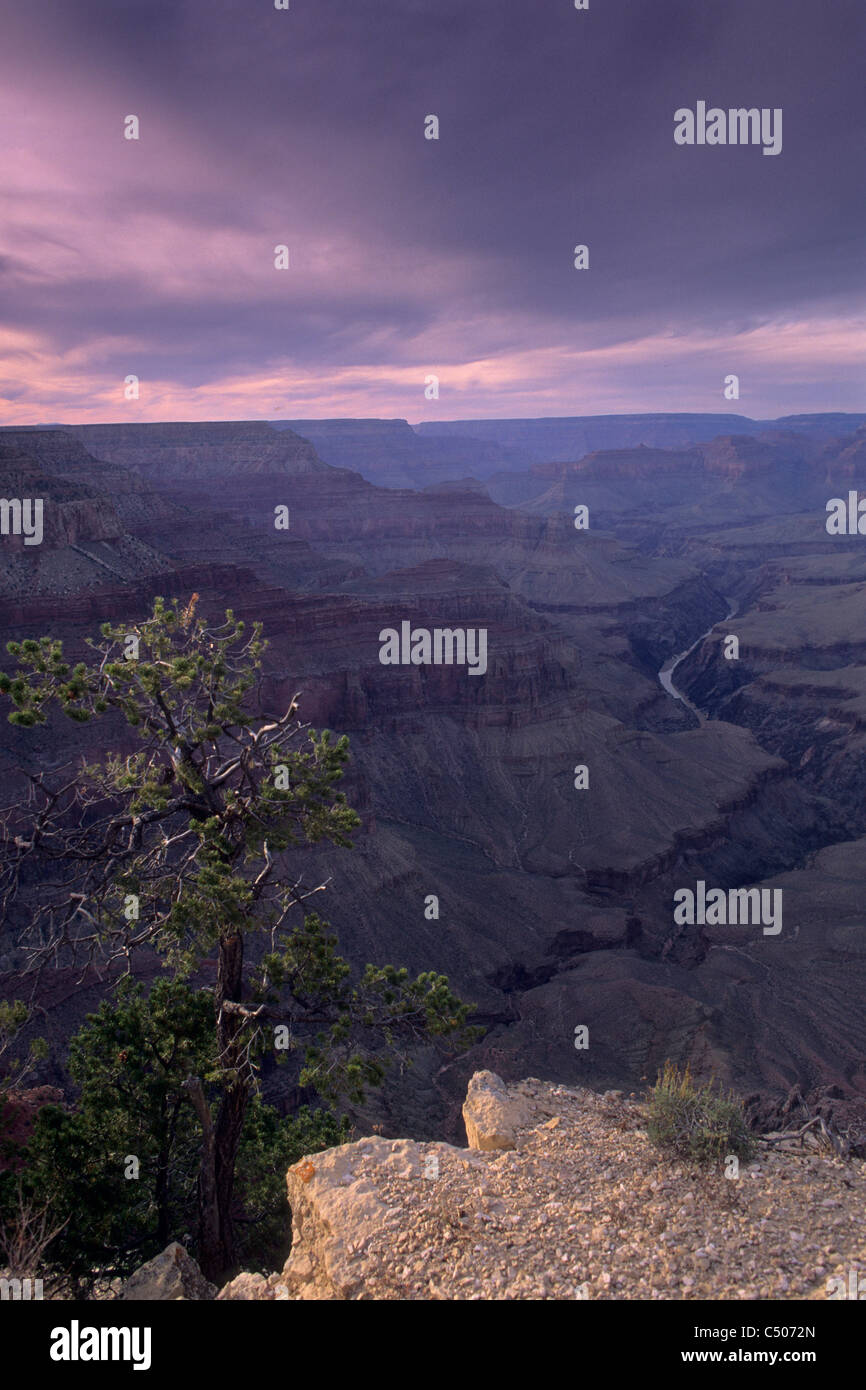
<point x="555" y="904"/>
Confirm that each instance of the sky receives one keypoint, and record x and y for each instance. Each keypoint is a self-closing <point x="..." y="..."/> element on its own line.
<point x="413" y="258"/>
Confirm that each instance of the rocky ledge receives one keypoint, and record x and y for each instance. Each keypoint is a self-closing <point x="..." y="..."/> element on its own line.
<point x="561" y="1195"/>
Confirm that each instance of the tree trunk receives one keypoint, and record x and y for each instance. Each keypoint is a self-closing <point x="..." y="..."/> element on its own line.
<point x="163" y="1224"/>
<point x="218" y="1256"/>
<point x="208" y="1212"/>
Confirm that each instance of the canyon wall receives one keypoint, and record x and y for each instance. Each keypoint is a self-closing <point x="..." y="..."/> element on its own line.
<point x="555" y="903"/>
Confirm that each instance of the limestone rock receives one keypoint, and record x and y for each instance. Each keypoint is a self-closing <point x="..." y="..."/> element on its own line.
<point x="337" y="1206"/>
<point x="493" y="1113"/>
<point x="169" y="1276"/>
<point x="245" y="1287"/>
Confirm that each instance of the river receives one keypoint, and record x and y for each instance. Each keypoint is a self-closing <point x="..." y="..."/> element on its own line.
<point x="667" y="671"/>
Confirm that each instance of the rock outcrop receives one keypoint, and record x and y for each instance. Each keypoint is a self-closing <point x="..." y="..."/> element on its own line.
<point x="170" y="1276"/>
<point x="583" y="1206"/>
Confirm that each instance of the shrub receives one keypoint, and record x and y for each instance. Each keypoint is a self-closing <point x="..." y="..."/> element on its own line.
<point x="701" y="1123"/>
<point x="76" y="1202"/>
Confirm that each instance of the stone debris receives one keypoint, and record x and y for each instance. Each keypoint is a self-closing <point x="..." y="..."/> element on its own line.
<point x="583" y="1206"/>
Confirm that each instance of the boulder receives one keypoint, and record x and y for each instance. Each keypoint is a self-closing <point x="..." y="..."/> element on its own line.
<point x="493" y="1112"/>
<point x="171" y="1275"/>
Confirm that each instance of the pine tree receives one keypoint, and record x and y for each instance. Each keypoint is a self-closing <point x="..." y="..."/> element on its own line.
<point x="118" y="1170"/>
<point x="184" y="848"/>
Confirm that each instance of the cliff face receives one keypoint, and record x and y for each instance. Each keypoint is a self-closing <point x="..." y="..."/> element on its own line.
<point x="555" y="903"/>
<point x="799" y="681"/>
<point x="732" y="479"/>
<point x="391" y="454"/>
<point x="70" y="512"/>
<point x="73" y="508"/>
<point x="551" y="439"/>
<point x="213" y="449"/>
<point x="86" y="515"/>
